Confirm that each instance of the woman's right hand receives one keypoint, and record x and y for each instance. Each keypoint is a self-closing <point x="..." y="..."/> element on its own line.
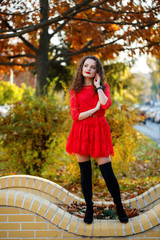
<point x="98" y="106"/>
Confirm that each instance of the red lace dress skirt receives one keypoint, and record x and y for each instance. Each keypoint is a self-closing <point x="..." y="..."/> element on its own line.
<point x="90" y="136"/>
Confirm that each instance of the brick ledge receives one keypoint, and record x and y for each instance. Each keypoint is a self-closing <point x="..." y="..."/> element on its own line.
<point x="51" y="212"/>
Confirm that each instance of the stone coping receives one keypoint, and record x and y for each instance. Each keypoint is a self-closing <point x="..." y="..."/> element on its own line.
<point x="14" y="192"/>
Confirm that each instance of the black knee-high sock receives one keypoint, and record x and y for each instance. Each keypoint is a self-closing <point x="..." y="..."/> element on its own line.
<point x="86" y="181"/>
<point x="111" y="182"/>
<point x="113" y="187"/>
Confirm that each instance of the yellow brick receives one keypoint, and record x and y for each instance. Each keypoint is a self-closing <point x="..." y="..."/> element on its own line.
<point x="157" y="187"/>
<point x="50" y="189"/>
<point x="65" y="220"/>
<point x="58" y="217"/>
<point x="153" y="193"/>
<point x="9" y="182"/>
<point x="25" y="212"/>
<point x="68" y="199"/>
<point x="157" y="210"/>
<point x="136" y="225"/>
<point x="119" y="229"/>
<point x="52" y="226"/>
<point x="67" y="234"/>
<point x="147" y="198"/>
<point x="3" y="234"/>
<point x="48" y="233"/>
<point x="21" y="234"/>
<point x="43" y="208"/>
<point x="2" y="182"/>
<point x="39" y="219"/>
<point x="70" y="238"/>
<point x="141" y="202"/>
<point x="35" y="226"/>
<point x="152" y="233"/>
<point x="104" y="228"/>
<point x="43" y="186"/>
<point x="128" y="228"/>
<point x="51" y="212"/>
<point x="27" y="201"/>
<point x="62" y="195"/>
<point x="3" y="218"/>
<point x="56" y="191"/>
<point x="152" y="218"/>
<point x="89" y="228"/>
<point x="3" y="197"/>
<point x="144" y="221"/>
<point x="9" y="210"/>
<point x="111" y="228"/>
<point x="11" y="198"/>
<point x="21" y="218"/>
<point x="23" y="181"/>
<point x="30" y="182"/>
<point x="73" y="224"/>
<point x="81" y="227"/>
<point x="19" y="199"/>
<point x="16" y="181"/>
<point x="9" y="226"/>
<point x="134" y="204"/>
<point x="35" y="205"/>
<point x="37" y="183"/>
<point x="96" y="228"/>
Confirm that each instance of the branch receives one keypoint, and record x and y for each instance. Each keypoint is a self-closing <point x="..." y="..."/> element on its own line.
<point x="28" y="44"/>
<point x="17" y="64"/>
<point x="22" y="55"/>
<point x="145" y="46"/>
<point x="18" y="14"/>
<point x="113" y="22"/>
<point x="45" y="23"/>
<point x="127" y="12"/>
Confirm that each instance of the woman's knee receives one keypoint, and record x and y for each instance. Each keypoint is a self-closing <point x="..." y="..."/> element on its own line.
<point x="103" y="160"/>
<point x="82" y="158"/>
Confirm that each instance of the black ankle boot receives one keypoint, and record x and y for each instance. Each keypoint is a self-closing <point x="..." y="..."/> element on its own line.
<point x="113" y="187"/>
<point x="89" y="215"/>
<point x="121" y="214"/>
<point x="86" y="184"/>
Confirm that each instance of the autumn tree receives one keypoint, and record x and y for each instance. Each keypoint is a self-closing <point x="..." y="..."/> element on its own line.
<point x="105" y="27"/>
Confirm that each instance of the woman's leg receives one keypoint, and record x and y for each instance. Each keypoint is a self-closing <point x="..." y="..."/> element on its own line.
<point x="112" y="185"/>
<point x="86" y="184"/>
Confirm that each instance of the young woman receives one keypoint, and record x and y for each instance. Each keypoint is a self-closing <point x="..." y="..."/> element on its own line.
<point x="90" y="134"/>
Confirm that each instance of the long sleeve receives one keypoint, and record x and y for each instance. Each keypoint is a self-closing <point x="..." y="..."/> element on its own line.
<point x="107" y="93"/>
<point x="74" y="106"/>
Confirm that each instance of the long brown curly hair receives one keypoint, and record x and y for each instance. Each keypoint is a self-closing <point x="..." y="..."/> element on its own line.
<point x="78" y="80"/>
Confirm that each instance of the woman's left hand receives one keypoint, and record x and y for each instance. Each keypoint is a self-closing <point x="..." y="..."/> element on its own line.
<point x="97" y="80"/>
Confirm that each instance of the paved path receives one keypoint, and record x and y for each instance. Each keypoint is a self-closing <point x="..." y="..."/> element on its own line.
<point x="150" y="129"/>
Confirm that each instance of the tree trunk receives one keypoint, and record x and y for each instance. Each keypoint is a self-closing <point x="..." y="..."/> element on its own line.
<point x="42" y="55"/>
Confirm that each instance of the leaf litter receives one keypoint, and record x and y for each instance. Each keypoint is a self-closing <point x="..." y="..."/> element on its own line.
<point x="100" y="211"/>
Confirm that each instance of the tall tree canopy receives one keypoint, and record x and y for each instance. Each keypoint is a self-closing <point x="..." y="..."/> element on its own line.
<point x="104" y="27"/>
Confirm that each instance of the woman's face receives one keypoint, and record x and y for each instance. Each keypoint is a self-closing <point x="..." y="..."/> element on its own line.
<point x="89" y="68"/>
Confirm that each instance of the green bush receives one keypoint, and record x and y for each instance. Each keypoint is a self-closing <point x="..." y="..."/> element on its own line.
<point x="10" y="93"/>
<point x="29" y="134"/>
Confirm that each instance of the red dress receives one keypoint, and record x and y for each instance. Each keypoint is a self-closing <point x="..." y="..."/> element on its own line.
<point x="90" y="136"/>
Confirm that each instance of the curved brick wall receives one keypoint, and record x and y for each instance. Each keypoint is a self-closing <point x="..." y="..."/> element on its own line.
<point x="28" y="209"/>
